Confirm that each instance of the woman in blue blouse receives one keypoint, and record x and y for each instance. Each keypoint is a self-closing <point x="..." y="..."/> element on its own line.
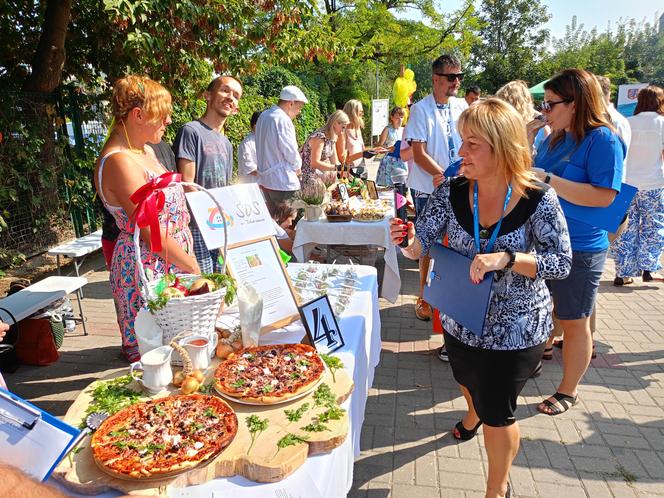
<point x="506" y="222"/>
<point x="582" y="160"/>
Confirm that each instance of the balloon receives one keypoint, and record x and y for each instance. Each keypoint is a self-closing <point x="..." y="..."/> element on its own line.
<point x="403" y="89"/>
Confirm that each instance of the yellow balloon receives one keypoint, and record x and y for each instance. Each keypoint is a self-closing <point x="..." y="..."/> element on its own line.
<point x="403" y="88"/>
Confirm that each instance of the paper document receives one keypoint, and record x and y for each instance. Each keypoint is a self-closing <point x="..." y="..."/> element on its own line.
<point x="31" y="439"/>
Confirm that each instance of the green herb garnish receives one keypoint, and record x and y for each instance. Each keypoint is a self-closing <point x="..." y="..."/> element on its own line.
<point x="303" y="363"/>
<point x="119" y="433"/>
<point x="159" y="410"/>
<point x="290" y="440"/>
<point x="221" y="281"/>
<point x="152" y="447"/>
<point x="268" y="388"/>
<point x="296" y="415"/>
<point x="256" y="426"/>
<point x="210" y="413"/>
<point x="315" y="427"/>
<point x="332" y="413"/>
<point x="238" y="383"/>
<point x="323" y="396"/>
<point x="207" y="388"/>
<point x="194" y="426"/>
<point x="111" y="396"/>
<point x="333" y="363"/>
<point x="295" y="375"/>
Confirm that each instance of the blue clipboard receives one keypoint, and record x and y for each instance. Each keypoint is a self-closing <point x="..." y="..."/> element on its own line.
<point x="450" y="290"/>
<point x="27" y="417"/>
<point x="607" y="218"/>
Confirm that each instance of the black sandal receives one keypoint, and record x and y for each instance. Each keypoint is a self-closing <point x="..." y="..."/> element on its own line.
<point x="563" y="400"/>
<point x="465" y="434"/>
<point x="548" y="353"/>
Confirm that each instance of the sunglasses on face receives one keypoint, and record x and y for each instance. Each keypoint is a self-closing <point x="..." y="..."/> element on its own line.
<point x="547" y="105"/>
<point x="451" y="76"/>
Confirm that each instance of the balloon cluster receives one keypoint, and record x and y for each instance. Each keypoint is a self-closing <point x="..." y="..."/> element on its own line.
<point x="403" y="89"/>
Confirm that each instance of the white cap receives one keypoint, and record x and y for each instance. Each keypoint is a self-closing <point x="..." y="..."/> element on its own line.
<point x="291" y="92"/>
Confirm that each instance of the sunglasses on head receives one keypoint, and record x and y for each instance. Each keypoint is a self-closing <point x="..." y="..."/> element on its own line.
<point x="547" y="105"/>
<point x="451" y="76"/>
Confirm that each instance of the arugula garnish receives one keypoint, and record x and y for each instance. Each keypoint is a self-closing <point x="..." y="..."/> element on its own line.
<point x="295" y="375"/>
<point x="332" y="413"/>
<point x="290" y="440"/>
<point x="256" y="426"/>
<point x="238" y="383"/>
<point x="111" y="396"/>
<point x="315" y="427"/>
<point x="124" y="432"/>
<point x="267" y="388"/>
<point x="333" y="363"/>
<point x="303" y="363"/>
<point x="210" y="413"/>
<point x="194" y="426"/>
<point x="159" y="410"/>
<point x="296" y="415"/>
<point x="323" y="396"/>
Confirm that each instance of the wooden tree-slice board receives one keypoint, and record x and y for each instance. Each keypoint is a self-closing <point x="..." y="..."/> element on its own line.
<point x="264" y="463"/>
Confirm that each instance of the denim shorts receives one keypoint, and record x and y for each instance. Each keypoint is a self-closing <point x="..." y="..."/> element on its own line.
<point x="574" y="297"/>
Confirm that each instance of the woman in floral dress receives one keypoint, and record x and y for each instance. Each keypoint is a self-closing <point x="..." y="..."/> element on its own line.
<point x="141" y="112"/>
<point x="319" y="156"/>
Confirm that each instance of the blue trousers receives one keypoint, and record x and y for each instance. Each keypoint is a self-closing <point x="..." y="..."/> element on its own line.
<point x="640" y="246"/>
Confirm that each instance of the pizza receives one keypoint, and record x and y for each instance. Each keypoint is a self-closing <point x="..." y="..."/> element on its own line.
<point x="269" y="374"/>
<point x="164" y="436"/>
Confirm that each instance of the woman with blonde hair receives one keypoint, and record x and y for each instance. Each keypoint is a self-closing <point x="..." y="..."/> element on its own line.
<point x="350" y="148"/>
<point x="319" y="156"/>
<point x="516" y="94"/>
<point x="582" y="160"/>
<point x="141" y="111"/>
<point x="512" y="230"/>
<point x="391" y="139"/>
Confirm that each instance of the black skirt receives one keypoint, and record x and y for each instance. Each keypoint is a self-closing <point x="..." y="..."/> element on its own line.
<point x="494" y="378"/>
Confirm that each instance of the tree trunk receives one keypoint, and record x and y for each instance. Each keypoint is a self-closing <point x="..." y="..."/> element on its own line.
<point x="49" y="58"/>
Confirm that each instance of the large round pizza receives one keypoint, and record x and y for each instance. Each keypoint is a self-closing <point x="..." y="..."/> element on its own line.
<point x="269" y="374"/>
<point x="163" y="437"/>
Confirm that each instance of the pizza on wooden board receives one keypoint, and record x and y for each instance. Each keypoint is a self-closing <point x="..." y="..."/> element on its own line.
<point x="163" y="437"/>
<point x="269" y="374"/>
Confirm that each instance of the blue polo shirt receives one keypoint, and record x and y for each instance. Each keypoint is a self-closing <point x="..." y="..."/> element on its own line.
<point x="597" y="160"/>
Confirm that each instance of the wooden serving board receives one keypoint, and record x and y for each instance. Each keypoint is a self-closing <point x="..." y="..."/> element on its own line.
<point x="264" y="463"/>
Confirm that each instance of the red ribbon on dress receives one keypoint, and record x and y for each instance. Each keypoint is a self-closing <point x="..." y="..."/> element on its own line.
<point x="150" y="200"/>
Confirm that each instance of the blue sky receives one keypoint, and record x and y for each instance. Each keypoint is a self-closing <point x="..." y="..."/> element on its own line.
<point x="588" y="12"/>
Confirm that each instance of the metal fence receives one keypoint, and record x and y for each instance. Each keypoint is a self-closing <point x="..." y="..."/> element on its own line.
<point x="48" y="144"/>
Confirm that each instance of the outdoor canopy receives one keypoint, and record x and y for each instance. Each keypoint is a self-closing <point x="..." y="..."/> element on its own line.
<point x="537" y="91"/>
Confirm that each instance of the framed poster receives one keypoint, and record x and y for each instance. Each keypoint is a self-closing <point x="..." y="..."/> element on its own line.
<point x="257" y="263"/>
<point x="371" y="189"/>
<point x="321" y="325"/>
<point x="380" y="111"/>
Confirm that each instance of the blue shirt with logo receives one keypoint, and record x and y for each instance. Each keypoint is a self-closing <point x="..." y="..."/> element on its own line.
<point x="598" y="160"/>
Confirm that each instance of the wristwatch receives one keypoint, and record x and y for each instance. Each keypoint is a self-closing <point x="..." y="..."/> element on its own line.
<point x="512" y="256"/>
<point x="547" y="178"/>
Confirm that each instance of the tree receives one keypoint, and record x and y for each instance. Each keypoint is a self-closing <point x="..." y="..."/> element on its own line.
<point x="512" y="41"/>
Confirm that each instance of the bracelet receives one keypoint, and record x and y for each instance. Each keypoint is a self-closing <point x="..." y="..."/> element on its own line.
<point x="547" y="178"/>
<point x="512" y="256"/>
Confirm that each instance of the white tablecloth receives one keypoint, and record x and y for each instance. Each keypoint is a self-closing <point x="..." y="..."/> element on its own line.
<point x="329" y="475"/>
<point x="351" y="233"/>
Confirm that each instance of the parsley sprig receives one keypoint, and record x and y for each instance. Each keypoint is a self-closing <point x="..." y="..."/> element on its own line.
<point x="333" y="363"/>
<point x="323" y="396"/>
<point x="111" y="396"/>
<point x="332" y="413"/>
<point x="316" y="426"/>
<point x="296" y="415"/>
<point x="290" y="439"/>
<point x="256" y="426"/>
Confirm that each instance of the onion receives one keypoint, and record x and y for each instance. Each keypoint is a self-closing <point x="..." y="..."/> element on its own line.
<point x="223" y="350"/>
<point x="178" y="378"/>
<point x="198" y="375"/>
<point x="189" y="385"/>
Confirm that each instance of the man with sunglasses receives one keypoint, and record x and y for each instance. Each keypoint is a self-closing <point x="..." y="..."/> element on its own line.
<point x="435" y="140"/>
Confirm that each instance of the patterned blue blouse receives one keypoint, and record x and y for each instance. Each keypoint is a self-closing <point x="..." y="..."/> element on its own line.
<point x="519" y="314"/>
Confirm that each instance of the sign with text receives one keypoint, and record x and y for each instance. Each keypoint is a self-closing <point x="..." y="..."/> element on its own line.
<point x="627" y="98"/>
<point x="343" y="192"/>
<point x="321" y="325"/>
<point x="247" y="217"/>
<point x="380" y="111"/>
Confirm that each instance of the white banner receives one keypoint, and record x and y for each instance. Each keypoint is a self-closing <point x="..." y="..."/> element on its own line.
<point x="627" y="98"/>
<point x="247" y="217"/>
<point x="380" y="110"/>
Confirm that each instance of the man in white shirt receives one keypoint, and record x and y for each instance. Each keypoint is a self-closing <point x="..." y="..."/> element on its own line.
<point x="277" y="154"/>
<point x="623" y="128"/>
<point x="246" y="154"/>
<point x="435" y="140"/>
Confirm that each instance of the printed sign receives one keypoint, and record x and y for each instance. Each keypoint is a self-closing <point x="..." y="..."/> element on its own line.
<point x="343" y="192"/>
<point x="321" y="325"/>
<point x="247" y="217"/>
<point x="380" y="110"/>
<point x="372" y="190"/>
<point x="627" y="95"/>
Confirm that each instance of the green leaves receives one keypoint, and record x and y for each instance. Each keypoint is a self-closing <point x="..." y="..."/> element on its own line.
<point x="256" y="426"/>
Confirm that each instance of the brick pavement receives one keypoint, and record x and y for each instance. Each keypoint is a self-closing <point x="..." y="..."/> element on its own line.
<point x="611" y="444"/>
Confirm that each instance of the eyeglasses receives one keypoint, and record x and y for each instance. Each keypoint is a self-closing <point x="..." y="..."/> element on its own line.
<point x="451" y="76"/>
<point x="547" y="106"/>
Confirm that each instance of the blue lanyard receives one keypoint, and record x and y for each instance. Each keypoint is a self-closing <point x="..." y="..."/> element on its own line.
<point x="476" y="220"/>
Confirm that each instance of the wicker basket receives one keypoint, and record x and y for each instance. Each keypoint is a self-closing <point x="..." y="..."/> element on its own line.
<point x="196" y="314"/>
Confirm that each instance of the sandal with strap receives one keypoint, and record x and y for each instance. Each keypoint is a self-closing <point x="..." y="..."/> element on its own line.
<point x="463" y="433"/>
<point x="563" y="400"/>
<point x="548" y="353"/>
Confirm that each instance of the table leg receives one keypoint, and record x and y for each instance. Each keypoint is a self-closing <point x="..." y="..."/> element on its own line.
<point x="77" y="267"/>
<point x="57" y="261"/>
<point x="80" y="308"/>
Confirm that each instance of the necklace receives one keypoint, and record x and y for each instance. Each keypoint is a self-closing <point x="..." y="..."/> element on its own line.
<point x="129" y="147"/>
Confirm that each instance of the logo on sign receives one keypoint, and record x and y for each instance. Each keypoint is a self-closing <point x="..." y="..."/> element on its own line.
<point x="632" y="93"/>
<point x="214" y="221"/>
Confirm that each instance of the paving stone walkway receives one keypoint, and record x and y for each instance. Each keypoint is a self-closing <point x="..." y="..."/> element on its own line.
<point x="611" y="444"/>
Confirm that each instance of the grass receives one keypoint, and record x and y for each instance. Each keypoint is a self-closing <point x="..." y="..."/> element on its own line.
<point x="624" y="474"/>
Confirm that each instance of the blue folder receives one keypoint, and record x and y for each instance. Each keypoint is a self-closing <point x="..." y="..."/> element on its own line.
<point x="450" y="290"/>
<point x="607" y="218"/>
